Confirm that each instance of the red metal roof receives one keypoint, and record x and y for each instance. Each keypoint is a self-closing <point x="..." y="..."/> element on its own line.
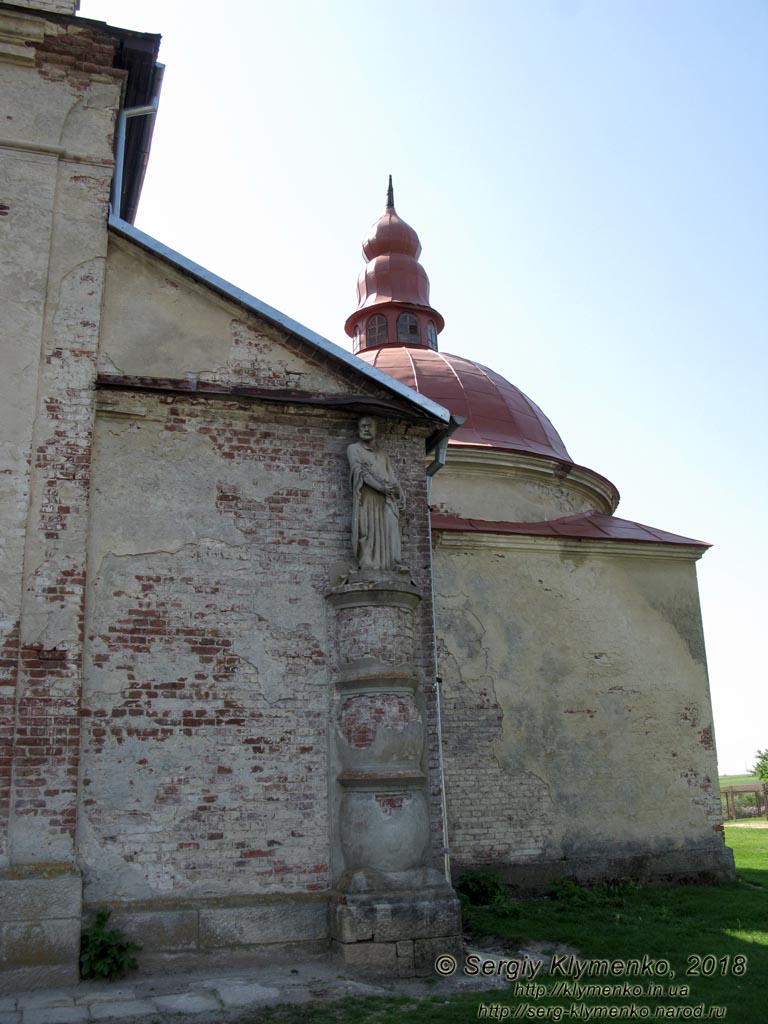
<point x="496" y="413"/>
<point x="392" y="276"/>
<point x="588" y="526"/>
<point x="390" y="233"/>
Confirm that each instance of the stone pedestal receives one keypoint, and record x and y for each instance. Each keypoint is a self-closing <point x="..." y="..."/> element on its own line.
<point x="392" y="912"/>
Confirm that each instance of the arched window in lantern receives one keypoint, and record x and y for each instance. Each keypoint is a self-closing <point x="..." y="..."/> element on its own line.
<point x="356" y="341"/>
<point x="431" y="335"/>
<point x="376" y="330"/>
<point x="407" y="328"/>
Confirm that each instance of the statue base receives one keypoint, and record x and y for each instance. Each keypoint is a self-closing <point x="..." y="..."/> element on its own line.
<point x="395" y="934"/>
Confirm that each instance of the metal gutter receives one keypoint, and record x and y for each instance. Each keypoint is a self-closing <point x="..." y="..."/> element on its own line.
<point x="274" y="316"/>
<point x="148" y="110"/>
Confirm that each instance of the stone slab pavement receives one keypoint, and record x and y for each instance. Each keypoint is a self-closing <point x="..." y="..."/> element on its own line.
<point x="213" y="996"/>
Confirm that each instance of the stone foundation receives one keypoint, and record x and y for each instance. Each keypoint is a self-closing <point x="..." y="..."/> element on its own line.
<point x="691" y="865"/>
<point x="221" y="932"/>
<point x="395" y="937"/>
<point x="39" y="926"/>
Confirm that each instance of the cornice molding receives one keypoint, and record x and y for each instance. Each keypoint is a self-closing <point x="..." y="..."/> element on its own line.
<point x="459" y="540"/>
<point x="601" y="494"/>
<point x="17" y="30"/>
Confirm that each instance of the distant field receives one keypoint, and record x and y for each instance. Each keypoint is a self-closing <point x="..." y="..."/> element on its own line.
<point x="737" y="780"/>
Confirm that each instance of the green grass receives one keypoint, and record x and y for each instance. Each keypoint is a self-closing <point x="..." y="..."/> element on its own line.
<point x="750" y="848"/>
<point x="613" y="922"/>
<point x="738" y="780"/>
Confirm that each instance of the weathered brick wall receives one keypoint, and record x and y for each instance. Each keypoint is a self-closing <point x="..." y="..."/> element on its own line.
<point x="217" y="528"/>
<point x="494" y="817"/>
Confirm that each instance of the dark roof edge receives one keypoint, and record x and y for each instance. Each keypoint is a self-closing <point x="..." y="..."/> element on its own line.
<point x="274" y="316"/>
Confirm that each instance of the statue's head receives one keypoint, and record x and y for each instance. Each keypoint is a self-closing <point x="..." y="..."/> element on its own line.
<point x="366" y="428"/>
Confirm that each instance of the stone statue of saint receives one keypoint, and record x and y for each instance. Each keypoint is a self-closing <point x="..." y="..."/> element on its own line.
<point x="375" y="494"/>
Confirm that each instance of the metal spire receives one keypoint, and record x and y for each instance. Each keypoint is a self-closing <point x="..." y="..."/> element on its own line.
<point x="390" y="195"/>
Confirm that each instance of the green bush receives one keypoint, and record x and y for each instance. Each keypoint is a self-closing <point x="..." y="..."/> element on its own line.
<point x="568" y="891"/>
<point x="105" y="953"/>
<point x="612" y="893"/>
<point x="760" y="767"/>
<point x="478" y="888"/>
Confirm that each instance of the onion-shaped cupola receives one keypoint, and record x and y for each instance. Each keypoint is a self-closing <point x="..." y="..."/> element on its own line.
<point x="393" y="288"/>
<point x="395" y="329"/>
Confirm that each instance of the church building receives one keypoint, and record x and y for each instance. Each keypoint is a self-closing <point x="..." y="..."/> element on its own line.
<point x="292" y="635"/>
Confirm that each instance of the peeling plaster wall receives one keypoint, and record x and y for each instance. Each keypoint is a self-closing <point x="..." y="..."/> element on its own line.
<point x="160" y="322"/>
<point x="204" y="764"/>
<point x="217" y="528"/>
<point x="576" y="715"/>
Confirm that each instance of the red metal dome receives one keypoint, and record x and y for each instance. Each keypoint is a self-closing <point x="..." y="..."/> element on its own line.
<point x="497" y="414"/>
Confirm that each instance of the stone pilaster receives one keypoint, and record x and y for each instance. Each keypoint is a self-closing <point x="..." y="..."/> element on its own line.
<point x="392" y="912"/>
<point x="56" y="158"/>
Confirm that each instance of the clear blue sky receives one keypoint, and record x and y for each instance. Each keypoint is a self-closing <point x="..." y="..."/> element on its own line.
<point x="588" y="179"/>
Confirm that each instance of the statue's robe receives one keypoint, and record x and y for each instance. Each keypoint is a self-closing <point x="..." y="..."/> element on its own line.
<point x="375" y="515"/>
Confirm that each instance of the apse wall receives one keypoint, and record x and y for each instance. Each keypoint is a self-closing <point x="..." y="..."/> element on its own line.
<point x="577" y="728"/>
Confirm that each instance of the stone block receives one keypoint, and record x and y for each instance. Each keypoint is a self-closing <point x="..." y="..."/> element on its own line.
<point x="187" y="1002"/>
<point x="35" y="894"/>
<point x="159" y="929"/>
<point x="22" y="979"/>
<point x="234" y="994"/>
<point x="41" y="1000"/>
<point x="128" y="1008"/>
<point x="39" y="943"/>
<point x="363" y="920"/>
<point x="10" y="1017"/>
<point x="412" y="920"/>
<point x="353" y="922"/>
<point x="40" y="929"/>
<point x="57" y="1015"/>
<point x="263" y="923"/>
<point x="88" y="993"/>
<point x="690" y="864"/>
<point x="426" y="951"/>
<point x="370" y="958"/>
<point x="405" y="960"/>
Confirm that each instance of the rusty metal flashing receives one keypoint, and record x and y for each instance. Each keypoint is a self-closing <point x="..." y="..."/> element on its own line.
<point x="585" y="526"/>
<point x="420" y="405"/>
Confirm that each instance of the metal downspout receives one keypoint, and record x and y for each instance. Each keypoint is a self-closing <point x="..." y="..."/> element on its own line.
<point x="122" y="118"/>
<point x="434" y="467"/>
